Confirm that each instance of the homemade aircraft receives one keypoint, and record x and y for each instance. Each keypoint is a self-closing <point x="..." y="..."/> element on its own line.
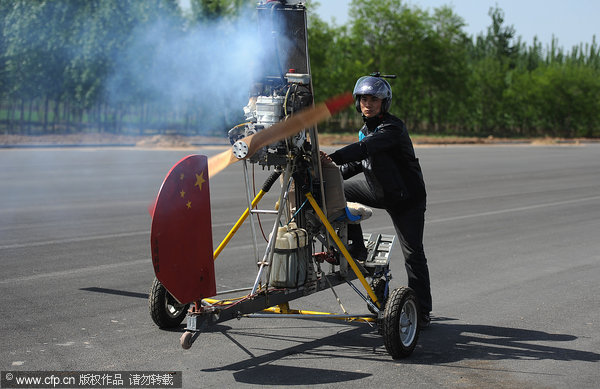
<point x="306" y="250"/>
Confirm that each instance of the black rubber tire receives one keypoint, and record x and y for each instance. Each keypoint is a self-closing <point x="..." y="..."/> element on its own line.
<point x="378" y="287"/>
<point x="165" y="311"/>
<point x="401" y="323"/>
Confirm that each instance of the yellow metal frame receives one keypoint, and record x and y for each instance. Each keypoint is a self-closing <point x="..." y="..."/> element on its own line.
<point x="342" y="248"/>
<point x="284" y="308"/>
<point x="237" y="225"/>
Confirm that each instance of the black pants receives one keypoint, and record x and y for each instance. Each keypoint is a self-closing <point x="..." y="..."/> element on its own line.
<point x="409" y="224"/>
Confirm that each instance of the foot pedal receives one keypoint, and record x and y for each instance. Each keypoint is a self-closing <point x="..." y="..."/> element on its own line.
<point x="379" y="247"/>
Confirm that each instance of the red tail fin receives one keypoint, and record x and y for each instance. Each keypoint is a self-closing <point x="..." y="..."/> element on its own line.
<point x="181" y="237"/>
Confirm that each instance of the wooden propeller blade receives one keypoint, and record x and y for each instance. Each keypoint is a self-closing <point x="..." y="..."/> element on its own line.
<point x="218" y="162"/>
<point x="284" y="129"/>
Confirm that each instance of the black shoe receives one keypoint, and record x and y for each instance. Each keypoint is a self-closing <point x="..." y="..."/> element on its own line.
<point x="358" y="253"/>
<point x="424" y="320"/>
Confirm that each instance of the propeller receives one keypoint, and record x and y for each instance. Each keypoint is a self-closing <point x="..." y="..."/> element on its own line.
<point x="246" y="147"/>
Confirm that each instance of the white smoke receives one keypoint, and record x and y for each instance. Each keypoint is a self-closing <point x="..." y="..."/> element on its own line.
<point x="208" y="68"/>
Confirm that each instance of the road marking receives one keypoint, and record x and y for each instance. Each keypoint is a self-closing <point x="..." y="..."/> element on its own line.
<point x="147" y="260"/>
<point x="73" y="240"/>
<point x="34" y="277"/>
<point x="509" y="210"/>
<point x="441" y="220"/>
<point x="86" y="238"/>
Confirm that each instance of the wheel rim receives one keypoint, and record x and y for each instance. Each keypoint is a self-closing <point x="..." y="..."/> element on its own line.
<point x="172" y="307"/>
<point x="408" y="323"/>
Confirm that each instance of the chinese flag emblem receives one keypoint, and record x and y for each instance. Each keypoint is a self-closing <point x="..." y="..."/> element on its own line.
<point x="181" y="237"/>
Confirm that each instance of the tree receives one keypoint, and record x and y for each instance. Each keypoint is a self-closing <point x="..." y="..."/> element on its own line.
<point x="211" y="10"/>
<point x="446" y="71"/>
<point x="115" y="64"/>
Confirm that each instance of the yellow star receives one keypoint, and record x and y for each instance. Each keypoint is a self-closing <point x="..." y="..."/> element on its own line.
<point x="200" y="180"/>
<point x="181" y="176"/>
<point x="189" y="205"/>
<point x="182" y="193"/>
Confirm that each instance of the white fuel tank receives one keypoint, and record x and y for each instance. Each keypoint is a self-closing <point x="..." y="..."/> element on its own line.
<point x="290" y="260"/>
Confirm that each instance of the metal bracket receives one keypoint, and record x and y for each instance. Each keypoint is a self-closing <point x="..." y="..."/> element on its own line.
<point x="380" y="248"/>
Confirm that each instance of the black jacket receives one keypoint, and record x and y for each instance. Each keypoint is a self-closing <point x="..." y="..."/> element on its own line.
<point x="387" y="158"/>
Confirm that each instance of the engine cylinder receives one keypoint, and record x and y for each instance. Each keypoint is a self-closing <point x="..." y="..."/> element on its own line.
<point x="269" y="110"/>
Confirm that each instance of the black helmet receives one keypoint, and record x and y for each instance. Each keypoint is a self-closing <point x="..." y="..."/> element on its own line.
<point x="374" y="86"/>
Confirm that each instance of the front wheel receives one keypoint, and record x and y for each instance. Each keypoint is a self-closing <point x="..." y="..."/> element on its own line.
<point x="400" y="323"/>
<point x="165" y="311"/>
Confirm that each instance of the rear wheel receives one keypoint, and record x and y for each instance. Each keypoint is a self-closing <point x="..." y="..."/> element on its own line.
<point x="165" y="311"/>
<point x="400" y="323"/>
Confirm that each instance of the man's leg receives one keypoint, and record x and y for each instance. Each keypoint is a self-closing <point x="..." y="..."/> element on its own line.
<point x="359" y="192"/>
<point x="409" y="226"/>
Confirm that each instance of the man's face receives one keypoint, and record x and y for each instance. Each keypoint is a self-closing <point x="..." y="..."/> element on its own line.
<point x="370" y="106"/>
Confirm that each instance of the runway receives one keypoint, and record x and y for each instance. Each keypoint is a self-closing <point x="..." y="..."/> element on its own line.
<point x="512" y="238"/>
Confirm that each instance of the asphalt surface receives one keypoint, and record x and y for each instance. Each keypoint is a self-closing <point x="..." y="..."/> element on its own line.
<point x="512" y="237"/>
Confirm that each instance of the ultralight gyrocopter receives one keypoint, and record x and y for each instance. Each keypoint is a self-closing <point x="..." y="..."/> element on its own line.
<point x="306" y="250"/>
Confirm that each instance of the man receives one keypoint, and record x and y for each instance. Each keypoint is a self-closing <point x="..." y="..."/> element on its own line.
<point x="393" y="181"/>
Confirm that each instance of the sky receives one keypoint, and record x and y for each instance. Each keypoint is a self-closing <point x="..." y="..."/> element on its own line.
<point x="571" y="21"/>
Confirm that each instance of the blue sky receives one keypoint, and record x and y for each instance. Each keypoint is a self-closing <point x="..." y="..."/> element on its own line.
<point x="571" y="21"/>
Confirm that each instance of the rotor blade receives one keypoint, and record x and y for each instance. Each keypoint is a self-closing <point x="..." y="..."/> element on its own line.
<point x="284" y="129"/>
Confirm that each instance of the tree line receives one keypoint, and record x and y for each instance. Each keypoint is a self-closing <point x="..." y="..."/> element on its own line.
<point x="451" y="83"/>
<point x="76" y="65"/>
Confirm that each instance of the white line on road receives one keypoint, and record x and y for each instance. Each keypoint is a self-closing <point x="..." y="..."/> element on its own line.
<point x="137" y="233"/>
<point x="86" y="238"/>
<point x="452" y="218"/>
<point x="73" y="240"/>
<point x="110" y="266"/>
<point x="518" y="209"/>
<point x="53" y="274"/>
